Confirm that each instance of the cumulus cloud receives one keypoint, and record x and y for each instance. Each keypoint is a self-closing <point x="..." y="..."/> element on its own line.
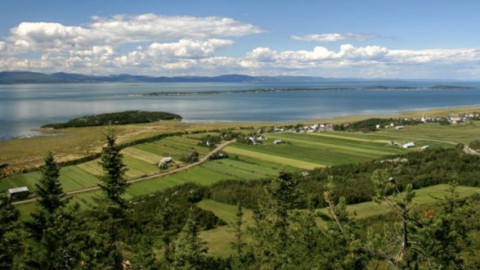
<point x="151" y="44"/>
<point x="186" y="48"/>
<point x="122" y="29"/>
<point x="3" y="46"/>
<point x="333" y="37"/>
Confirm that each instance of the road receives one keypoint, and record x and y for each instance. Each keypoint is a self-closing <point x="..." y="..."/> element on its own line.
<point x="146" y="178"/>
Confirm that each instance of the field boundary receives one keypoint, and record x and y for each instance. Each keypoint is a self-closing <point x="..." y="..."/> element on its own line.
<point x="145" y="178"/>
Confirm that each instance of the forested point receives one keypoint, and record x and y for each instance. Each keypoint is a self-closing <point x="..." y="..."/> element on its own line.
<point x="118" y="118"/>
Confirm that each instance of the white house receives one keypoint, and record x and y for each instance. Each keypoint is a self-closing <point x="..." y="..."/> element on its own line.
<point x="164" y="161"/>
<point x="277" y="142"/>
<point x="17" y="191"/>
<point x="409" y="145"/>
<point x="400" y="127"/>
<point x="425" y="147"/>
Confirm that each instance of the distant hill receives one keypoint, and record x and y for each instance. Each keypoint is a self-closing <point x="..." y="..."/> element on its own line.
<point x="18" y="77"/>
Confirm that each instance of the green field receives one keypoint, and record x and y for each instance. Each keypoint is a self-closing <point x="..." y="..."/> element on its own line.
<point x="308" y="151"/>
<point x="246" y="162"/>
<point x="442" y="134"/>
<point x="219" y="239"/>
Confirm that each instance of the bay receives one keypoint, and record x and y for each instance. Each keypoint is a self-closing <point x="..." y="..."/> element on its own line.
<point x="28" y="106"/>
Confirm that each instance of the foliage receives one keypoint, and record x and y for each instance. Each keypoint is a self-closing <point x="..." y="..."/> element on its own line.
<point x="474" y="144"/>
<point x="190" y="158"/>
<point x="371" y="124"/>
<point x="49" y="189"/>
<point x="210" y="140"/>
<point x="10" y="241"/>
<point x="114" y="184"/>
<point x="119" y="118"/>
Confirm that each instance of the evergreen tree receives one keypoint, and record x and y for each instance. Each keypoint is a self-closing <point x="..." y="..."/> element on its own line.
<point x="53" y="229"/>
<point x="239" y="245"/>
<point x="49" y="189"/>
<point x="111" y="211"/>
<point x="190" y="250"/>
<point x="10" y="241"/>
<point x="272" y="222"/>
<point x="114" y="183"/>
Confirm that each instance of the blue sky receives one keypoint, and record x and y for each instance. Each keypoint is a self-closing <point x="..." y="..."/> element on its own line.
<point x="366" y="39"/>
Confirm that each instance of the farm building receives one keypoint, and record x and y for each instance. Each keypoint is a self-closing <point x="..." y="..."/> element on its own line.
<point x="164" y="161"/>
<point x="425" y="147"/>
<point x="277" y="142"/>
<point x="17" y="192"/>
<point x="409" y="145"/>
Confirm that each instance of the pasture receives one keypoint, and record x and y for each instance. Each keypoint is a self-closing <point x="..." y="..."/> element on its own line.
<point x="219" y="239"/>
<point x="313" y="150"/>
<point x="434" y="132"/>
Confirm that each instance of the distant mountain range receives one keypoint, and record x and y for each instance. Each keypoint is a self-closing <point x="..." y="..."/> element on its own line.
<point x="19" y="77"/>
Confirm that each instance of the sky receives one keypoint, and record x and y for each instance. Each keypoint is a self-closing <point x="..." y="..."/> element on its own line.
<point x="389" y="39"/>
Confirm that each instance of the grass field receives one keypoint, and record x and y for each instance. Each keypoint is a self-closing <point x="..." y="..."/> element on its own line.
<point x="246" y="162"/>
<point x="219" y="239"/>
<point x="446" y="134"/>
<point x="308" y="151"/>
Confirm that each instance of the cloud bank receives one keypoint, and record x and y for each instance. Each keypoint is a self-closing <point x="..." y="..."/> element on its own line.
<point x="158" y="45"/>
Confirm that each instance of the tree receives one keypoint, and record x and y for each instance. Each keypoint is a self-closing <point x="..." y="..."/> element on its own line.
<point x="49" y="189"/>
<point x="190" y="250"/>
<point x="238" y="245"/>
<point x="9" y="235"/>
<point x="111" y="214"/>
<point x="54" y="230"/>
<point x="114" y="184"/>
<point x="272" y="222"/>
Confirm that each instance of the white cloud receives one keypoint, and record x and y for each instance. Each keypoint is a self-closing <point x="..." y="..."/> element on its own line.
<point x="186" y="48"/>
<point x="333" y="37"/>
<point x="151" y="44"/>
<point x="122" y="29"/>
<point x="3" y="46"/>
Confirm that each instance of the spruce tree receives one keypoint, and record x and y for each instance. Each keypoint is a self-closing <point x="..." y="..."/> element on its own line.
<point x="114" y="183"/>
<point x="54" y="230"/>
<point x="190" y="250"/>
<point x="111" y="214"/>
<point x="9" y="235"/>
<point x="49" y="189"/>
<point x="272" y="222"/>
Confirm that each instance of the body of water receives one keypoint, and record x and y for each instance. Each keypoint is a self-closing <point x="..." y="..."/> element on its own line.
<point x="26" y="107"/>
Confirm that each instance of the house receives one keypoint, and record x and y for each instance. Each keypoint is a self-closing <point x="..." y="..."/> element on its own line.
<point x="409" y="145"/>
<point x="164" y="161"/>
<point x="17" y="192"/>
<point x="399" y="127"/>
<point x="425" y="147"/>
<point x="277" y="141"/>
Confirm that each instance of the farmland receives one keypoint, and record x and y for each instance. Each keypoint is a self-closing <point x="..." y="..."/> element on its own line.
<point x="219" y="239"/>
<point x="247" y="162"/>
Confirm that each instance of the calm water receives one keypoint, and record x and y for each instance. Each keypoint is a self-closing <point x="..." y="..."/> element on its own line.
<point x="25" y="107"/>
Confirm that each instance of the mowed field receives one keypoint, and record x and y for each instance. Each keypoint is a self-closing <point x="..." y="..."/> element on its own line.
<point x="141" y="160"/>
<point x="436" y="133"/>
<point x="313" y="150"/>
<point x="246" y="162"/>
<point x="219" y="239"/>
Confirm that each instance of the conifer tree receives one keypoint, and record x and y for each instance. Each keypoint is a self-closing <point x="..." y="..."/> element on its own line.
<point x="272" y="222"/>
<point x="9" y="236"/>
<point x="114" y="183"/>
<point x="190" y="250"/>
<point x="49" y="189"/>
<point x="54" y="229"/>
<point x="111" y="214"/>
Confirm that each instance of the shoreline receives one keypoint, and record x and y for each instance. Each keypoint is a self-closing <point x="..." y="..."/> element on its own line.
<point x="438" y="111"/>
<point x="76" y="143"/>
